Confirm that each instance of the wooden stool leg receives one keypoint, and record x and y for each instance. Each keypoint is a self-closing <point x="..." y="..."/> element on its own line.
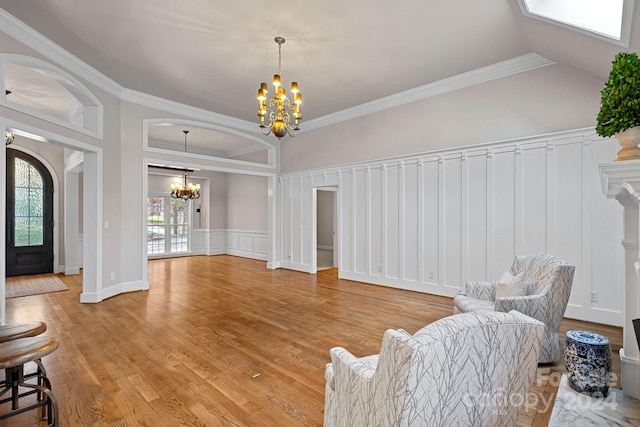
<point x="52" y="403"/>
<point x="14" y="378"/>
<point x="41" y="373"/>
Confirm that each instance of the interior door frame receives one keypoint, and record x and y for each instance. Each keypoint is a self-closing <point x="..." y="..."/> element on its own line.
<point x="92" y="206"/>
<point x="314" y="227"/>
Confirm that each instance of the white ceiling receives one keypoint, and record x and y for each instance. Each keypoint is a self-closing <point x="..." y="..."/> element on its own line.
<point x="213" y="54"/>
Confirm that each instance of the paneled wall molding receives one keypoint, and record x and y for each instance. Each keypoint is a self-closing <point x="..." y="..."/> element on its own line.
<point x="432" y="221"/>
<point x="244" y="243"/>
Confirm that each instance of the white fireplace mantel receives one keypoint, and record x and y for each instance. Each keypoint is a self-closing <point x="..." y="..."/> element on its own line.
<point x="621" y="180"/>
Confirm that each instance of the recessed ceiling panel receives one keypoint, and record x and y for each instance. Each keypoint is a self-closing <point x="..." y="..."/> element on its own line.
<point x="39" y="92"/>
<point x="207" y="142"/>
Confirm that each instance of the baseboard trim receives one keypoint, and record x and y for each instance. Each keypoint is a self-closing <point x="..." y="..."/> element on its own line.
<point x="111" y="291"/>
<point x="71" y="271"/>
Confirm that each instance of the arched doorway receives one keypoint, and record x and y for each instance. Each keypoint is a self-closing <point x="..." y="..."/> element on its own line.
<point x="29" y="228"/>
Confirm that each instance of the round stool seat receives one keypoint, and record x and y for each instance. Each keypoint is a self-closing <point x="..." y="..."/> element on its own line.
<point x="21" y="330"/>
<point x="18" y="352"/>
<point x="588" y="362"/>
<point x="13" y="356"/>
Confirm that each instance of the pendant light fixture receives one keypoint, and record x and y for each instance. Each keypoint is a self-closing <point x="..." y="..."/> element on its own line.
<point x="186" y="191"/>
<point x="283" y="114"/>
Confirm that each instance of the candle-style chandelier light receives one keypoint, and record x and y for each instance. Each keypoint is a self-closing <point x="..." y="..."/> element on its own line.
<point x="186" y="191"/>
<point x="284" y="115"/>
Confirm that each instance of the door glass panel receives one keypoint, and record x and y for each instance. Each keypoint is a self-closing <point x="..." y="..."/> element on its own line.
<point x="36" y="231"/>
<point x="29" y="201"/>
<point x="167" y="216"/>
<point x="179" y="226"/>
<point x="155" y="225"/>
<point x="22" y="231"/>
<point x="22" y="202"/>
<point x="36" y="202"/>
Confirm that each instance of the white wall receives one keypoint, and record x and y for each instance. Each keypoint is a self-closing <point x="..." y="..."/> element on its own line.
<point x="247" y="202"/>
<point x="549" y="99"/>
<point x="218" y="202"/>
<point x="431" y="222"/>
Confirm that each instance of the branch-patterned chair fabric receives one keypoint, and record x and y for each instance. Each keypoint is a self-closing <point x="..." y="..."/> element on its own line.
<point x="471" y="369"/>
<point x="548" y="281"/>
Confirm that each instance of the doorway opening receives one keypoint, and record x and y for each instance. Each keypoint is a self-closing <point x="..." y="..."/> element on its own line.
<point x="326" y="228"/>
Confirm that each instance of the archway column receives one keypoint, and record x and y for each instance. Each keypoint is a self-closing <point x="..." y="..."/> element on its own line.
<point x="92" y="228"/>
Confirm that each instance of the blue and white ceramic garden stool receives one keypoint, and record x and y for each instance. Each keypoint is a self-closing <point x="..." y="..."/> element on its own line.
<point x="588" y="362"/>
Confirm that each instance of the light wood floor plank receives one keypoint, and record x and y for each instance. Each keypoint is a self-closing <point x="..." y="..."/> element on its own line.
<point x="179" y="354"/>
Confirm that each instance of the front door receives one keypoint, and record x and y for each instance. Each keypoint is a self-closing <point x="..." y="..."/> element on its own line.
<point x="29" y="245"/>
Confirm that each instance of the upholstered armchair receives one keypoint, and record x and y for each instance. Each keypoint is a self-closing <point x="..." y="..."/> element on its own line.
<point x="546" y="286"/>
<point x="472" y="369"/>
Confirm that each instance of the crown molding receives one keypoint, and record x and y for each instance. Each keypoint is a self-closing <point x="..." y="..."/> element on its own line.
<point x="617" y="176"/>
<point x="495" y="71"/>
<point x="169" y="106"/>
<point x="36" y="41"/>
<point x="20" y="31"/>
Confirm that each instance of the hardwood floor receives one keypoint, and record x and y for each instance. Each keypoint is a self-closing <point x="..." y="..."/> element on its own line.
<point x="186" y="352"/>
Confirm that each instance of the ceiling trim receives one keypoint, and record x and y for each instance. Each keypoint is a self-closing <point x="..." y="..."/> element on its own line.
<point x="92" y="123"/>
<point x="31" y="38"/>
<point x="271" y="149"/>
<point x="20" y="31"/>
<point x="495" y="71"/>
<point x="25" y="34"/>
<point x="170" y="106"/>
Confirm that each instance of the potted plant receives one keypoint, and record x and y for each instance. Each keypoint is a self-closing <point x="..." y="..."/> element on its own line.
<point x="619" y="114"/>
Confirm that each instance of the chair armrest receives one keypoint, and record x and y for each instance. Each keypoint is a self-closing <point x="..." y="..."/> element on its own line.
<point x="484" y="290"/>
<point x="530" y="305"/>
<point x="363" y="368"/>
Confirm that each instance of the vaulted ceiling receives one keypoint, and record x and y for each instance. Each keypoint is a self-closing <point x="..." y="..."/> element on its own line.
<point x="213" y="54"/>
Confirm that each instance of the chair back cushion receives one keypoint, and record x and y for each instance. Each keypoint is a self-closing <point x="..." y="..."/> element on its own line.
<point x="541" y="270"/>
<point x="469" y="368"/>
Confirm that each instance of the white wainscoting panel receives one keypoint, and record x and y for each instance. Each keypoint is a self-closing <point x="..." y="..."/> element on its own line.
<point x="244" y="243"/>
<point x="374" y="223"/>
<point x="248" y="244"/>
<point x="208" y="242"/>
<point x="430" y="222"/>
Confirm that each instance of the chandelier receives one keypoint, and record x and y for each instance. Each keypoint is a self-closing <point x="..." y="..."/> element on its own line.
<point x="186" y="191"/>
<point x="280" y="109"/>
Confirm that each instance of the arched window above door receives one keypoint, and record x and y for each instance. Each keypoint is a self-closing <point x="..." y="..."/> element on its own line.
<point x="40" y="89"/>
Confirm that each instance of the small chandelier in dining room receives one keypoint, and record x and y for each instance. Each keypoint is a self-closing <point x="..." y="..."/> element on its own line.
<point x="186" y="191"/>
<point x="284" y="114"/>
